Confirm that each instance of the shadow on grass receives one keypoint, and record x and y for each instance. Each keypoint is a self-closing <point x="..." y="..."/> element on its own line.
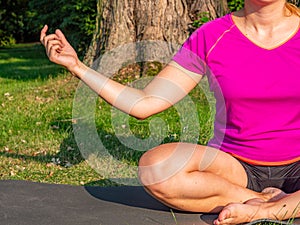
<point x="69" y="154"/>
<point x="27" y="62"/>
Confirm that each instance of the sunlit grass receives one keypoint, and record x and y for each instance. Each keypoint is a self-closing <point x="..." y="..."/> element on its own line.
<point x="36" y="134"/>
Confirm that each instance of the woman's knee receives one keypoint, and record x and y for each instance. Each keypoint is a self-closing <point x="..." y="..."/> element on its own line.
<point x="155" y="170"/>
<point x="149" y="166"/>
<point x="165" y="161"/>
<point x="161" y="168"/>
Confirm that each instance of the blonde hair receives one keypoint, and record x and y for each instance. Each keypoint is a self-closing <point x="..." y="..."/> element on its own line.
<point x="293" y="9"/>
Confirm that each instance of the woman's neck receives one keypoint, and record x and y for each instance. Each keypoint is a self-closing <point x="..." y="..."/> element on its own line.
<point x="267" y="23"/>
<point x="262" y="14"/>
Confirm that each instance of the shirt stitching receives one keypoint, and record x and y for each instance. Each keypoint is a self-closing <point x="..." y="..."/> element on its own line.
<point x="218" y="40"/>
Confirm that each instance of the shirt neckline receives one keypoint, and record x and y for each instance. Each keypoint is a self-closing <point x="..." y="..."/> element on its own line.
<point x="281" y="44"/>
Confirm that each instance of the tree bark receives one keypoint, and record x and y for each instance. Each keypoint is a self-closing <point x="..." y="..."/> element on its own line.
<point x="131" y="21"/>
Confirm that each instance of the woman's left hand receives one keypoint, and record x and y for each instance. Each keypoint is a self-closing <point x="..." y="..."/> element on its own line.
<point x="58" y="49"/>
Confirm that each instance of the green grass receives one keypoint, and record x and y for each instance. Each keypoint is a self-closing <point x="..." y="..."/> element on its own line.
<point x="35" y="119"/>
<point x="36" y="134"/>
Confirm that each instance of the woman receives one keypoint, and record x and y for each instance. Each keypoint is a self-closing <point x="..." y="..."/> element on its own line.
<point x="251" y="58"/>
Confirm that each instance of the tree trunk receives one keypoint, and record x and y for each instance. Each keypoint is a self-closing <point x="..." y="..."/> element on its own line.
<point x="132" y="21"/>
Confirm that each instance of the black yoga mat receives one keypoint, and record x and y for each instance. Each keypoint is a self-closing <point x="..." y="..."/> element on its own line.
<point x="29" y="203"/>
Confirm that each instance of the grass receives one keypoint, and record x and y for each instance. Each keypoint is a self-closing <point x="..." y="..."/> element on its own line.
<point x="36" y="134"/>
<point x="35" y="120"/>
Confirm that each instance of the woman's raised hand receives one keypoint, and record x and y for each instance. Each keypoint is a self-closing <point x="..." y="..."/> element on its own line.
<point x="58" y="49"/>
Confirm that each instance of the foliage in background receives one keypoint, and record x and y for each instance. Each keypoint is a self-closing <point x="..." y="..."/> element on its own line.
<point x="204" y="17"/>
<point x="75" y="18"/>
<point x="201" y="19"/>
<point x="21" y="20"/>
<point x="12" y="21"/>
<point x="235" y="5"/>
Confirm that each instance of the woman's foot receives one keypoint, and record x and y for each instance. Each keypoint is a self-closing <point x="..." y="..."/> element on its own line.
<point x="273" y="194"/>
<point x="253" y="209"/>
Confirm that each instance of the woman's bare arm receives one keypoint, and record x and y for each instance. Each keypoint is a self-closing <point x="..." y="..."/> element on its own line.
<point x="167" y="88"/>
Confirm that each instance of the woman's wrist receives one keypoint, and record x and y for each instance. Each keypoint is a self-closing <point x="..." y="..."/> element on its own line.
<point x="79" y="69"/>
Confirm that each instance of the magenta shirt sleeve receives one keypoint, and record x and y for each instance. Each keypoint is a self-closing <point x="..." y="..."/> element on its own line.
<point x="191" y="56"/>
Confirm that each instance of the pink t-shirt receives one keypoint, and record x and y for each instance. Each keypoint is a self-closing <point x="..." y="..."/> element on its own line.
<point x="257" y="91"/>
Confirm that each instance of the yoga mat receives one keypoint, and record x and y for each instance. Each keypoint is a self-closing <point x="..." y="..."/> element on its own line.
<point x="29" y="203"/>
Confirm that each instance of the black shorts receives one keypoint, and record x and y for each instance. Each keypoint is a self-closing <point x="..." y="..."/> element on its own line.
<point x="286" y="177"/>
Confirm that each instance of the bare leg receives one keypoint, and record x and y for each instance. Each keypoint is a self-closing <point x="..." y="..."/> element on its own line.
<point x="281" y="207"/>
<point x="193" y="178"/>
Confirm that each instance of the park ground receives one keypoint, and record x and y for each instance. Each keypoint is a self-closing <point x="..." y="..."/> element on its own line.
<point x="36" y="122"/>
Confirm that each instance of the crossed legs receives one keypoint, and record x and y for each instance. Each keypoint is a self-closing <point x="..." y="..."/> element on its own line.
<point x="197" y="178"/>
<point x="281" y="207"/>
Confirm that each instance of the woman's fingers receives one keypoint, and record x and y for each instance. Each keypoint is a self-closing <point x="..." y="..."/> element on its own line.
<point x="61" y="36"/>
<point x="53" y="38"/>
<point x="54" y="52"/>
<point x="50" y="38"/>
<point x="53" y="45"/>
<point x="58" y="48"/>
<point x="54" y="42"/>
<point x="43" y="33"/>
